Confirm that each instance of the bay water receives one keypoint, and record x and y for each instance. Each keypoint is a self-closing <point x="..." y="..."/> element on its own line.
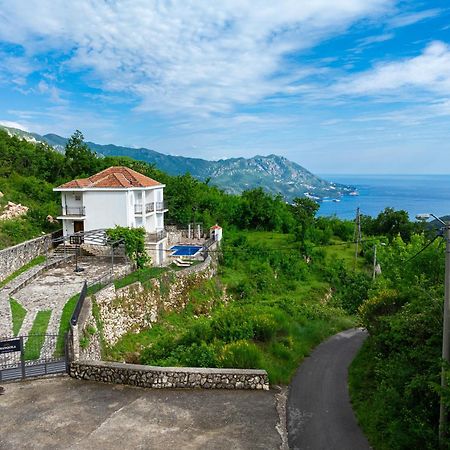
<point x="415" y="194"/>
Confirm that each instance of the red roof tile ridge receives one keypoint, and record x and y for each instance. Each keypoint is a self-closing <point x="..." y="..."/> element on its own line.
<point x="112" y="177"/>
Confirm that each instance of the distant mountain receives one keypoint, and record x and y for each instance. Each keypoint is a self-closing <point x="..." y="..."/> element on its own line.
<point x="275" y="174"/>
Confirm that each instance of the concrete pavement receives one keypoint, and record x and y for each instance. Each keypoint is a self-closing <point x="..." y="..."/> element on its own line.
<point x="63" y="413"/>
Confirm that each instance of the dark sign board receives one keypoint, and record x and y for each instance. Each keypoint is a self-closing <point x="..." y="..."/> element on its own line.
<point x="10" y="346"/>
<point x="76" y="240"/>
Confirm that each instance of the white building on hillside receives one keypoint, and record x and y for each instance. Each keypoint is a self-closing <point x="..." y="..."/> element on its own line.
<point x="116" y="196"/>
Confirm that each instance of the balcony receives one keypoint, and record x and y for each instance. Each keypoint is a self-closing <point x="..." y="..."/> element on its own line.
<point x="77" y="211"/>
<point x="139" y="208"/>
<point x="161" y="206"/>
<point x="157" y="236"/>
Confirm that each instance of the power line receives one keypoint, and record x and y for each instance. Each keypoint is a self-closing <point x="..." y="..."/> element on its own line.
<point x="423" y="248"/>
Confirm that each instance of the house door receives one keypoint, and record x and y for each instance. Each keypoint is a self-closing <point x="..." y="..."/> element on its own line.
<point x="78" y="225"/>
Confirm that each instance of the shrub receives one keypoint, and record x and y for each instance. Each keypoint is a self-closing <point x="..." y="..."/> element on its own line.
<point x="264" y="327"/>
<point x="199" y="331"/>
<point x="160" y="349"/>
<point x="241" y="354"/>
<point x="196" y="355"/>
<point x="232" y="324"/>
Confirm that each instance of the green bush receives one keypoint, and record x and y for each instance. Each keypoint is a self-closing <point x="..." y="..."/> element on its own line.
<point x="242" y="354"/>
<point x="200" y="331"/>
<point x="232" y="324"/>
<point x="196" y="355"/>
<point x="264" y="327"/>
<point x="159" y="349"/>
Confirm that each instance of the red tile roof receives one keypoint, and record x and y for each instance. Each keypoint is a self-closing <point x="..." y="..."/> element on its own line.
<point x="113" y="177"/>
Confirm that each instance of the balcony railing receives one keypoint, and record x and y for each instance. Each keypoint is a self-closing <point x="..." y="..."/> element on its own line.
<point x="161" y="206"/>
<point x="73" y="211"/>
<point x="157" y="236"/>
<point x="139" y="208"/>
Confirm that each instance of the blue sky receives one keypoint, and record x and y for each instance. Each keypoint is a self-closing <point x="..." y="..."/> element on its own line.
<point x="339" y="86"/>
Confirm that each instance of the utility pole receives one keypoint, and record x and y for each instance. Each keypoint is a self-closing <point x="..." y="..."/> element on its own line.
<point x="443" y="416"/>
<point x="374" y="260"/>
<point x="357" y="233"/>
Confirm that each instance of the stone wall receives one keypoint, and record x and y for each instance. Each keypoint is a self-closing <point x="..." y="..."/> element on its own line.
<point x="85" y="338"/>
<point x="169" y="377"/>
<point x="13" y="258"/>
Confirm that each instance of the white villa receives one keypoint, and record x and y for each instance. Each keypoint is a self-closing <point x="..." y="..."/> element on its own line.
<point x="116" y="196"/>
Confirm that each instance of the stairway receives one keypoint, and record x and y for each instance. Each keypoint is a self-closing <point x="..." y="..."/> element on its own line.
<point x="70" y="250"/>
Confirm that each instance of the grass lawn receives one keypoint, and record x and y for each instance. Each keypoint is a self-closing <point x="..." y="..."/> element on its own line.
<point x="36" y="337"/>
<point x="18" y="313"/>
<point x="34" y="262"/>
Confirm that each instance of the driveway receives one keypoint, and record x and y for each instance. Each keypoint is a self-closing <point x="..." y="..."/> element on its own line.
<point x="319" y="412"/>
<point x="63" y="413"/>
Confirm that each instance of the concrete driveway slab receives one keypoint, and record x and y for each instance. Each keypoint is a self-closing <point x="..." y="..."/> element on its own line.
<point x="63" y="413"/>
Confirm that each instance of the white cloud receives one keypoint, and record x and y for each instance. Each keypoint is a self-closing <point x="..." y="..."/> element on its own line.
<point x="403" y="20"/>
<point x="172" y="56"/>
<point x="376" y="39"/>
<point x="430" y="71"/>
<point x="10" y="124"/>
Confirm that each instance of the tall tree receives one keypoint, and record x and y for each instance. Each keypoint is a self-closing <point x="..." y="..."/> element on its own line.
<point x="80" y="160"/>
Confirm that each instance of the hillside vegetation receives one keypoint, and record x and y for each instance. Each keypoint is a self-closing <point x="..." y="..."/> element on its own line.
<point x="277" y="308"/>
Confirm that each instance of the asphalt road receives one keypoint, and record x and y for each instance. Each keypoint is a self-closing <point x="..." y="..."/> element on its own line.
<point x="319" y="412"/>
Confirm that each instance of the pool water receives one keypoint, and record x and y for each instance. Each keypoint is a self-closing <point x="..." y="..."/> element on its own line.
<point x="185" y="250"/>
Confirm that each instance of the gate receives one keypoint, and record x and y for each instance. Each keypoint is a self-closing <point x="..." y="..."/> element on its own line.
<point x="32" y="356"/>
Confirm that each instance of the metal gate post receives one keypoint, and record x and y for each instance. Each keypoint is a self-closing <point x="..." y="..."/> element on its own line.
<point x="22" y="357"/>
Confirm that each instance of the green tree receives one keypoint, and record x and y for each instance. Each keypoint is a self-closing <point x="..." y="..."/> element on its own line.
<point x="80" y="160"/>
<point x="134" y="240"/>
<point x="303" y="210"/>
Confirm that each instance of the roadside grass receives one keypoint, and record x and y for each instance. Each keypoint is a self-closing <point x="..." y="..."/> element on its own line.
<point x="361" y="383"/>
<point x="34" y="262"/>
<point x="276" y="316"/>
<point x="18" y="313"/>
<point x="36" y="337"/>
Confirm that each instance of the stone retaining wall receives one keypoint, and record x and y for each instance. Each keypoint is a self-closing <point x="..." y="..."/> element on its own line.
<point x="13" y="258"/>
<point x="169" y="377"/>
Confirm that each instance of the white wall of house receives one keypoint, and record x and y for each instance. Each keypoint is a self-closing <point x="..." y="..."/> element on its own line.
<point x="106" y="209"/>
<point x="72" y="199"/>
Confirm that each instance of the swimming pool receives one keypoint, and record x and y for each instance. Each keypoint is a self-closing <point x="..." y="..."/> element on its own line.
<point x="185" y="250"/>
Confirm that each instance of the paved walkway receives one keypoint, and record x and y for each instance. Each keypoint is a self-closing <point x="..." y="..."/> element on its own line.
<point x="63" y="413"/>
<point x="50" y="291"/>
<point x="319" y="412"/>
<point x="5" y="310"/>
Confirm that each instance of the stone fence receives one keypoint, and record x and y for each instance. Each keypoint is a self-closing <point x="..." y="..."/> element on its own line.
<point x="169" y="377"/>
<point x="13" y="258"/>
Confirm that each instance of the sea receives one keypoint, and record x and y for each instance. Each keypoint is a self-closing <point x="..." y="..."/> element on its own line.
<point x="415" y="194"/>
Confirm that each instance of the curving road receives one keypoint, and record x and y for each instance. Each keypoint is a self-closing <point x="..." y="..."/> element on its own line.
<point x="319" y="412"/>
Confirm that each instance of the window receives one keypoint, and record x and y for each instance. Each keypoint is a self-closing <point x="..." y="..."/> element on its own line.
<point x="78" y="197"/>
